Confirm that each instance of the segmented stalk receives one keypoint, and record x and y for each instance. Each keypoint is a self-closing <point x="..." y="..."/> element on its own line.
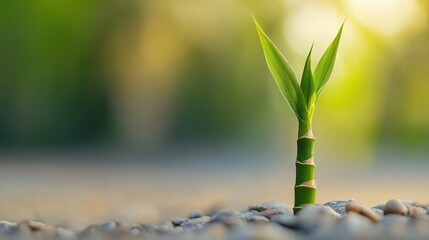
<point x="305" y="185"/>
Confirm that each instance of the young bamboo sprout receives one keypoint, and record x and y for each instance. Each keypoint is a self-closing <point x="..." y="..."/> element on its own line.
<point x="302" y="100"/>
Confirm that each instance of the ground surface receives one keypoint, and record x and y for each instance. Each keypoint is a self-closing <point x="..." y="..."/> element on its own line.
<point x="81" y="189"/>
<point x="345" y="219"/>
<point x="122" y="192"/>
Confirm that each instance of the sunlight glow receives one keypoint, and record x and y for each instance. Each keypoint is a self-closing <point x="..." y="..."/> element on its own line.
<point x="312" y="22"/>
<point x="387" y="17"/>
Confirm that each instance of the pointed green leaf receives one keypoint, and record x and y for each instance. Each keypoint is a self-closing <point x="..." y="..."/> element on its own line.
<point x="326" y="64"/>
<point x="284" y="75"/>
<point x="307" y="83"/>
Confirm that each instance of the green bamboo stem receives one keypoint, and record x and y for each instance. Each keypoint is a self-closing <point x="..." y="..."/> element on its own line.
<point x="302" y="100"/>
<point x="305" y="186"/>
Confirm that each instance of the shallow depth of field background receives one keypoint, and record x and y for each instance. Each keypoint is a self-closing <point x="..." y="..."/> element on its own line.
<point x="143" y="110"/>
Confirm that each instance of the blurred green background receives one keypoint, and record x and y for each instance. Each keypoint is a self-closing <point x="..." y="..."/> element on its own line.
<point x="156" y="74"/>
<point x="172" y="81"/>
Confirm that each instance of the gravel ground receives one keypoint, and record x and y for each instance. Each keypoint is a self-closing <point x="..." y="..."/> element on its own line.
<point x="343" y="219"/>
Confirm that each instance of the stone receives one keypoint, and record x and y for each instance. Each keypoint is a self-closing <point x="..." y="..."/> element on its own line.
<point x="339" y="205"/>
<point x="394" y="206"/>
<point x="261" y="232"/>
<point x="8" y="227"/>
<point x="272" y="212"/>
<point x="354" y="222"/>
<point x="179" y="229"/>
<point x="49" y="231"/>
<point x="419" y="204"/>
<point x="91" y="231"/>
<point x="65" y="233"/>
<point x="378" y="211"/>
<point x="257" y="219"/>
<point x="396" y="225"/>
<point x="228" y="218"/>
<point x="260" y="207"/>
<point x="23" y="231"/>
<point x="286" y="220"/>
<point x="246" y="214"/>
<point x="135" y="230"/>
<point x="363" y="210"/>
<point x="409" y="206"/>
<point x="215" y="231"/>
<point x="178" y="221"/>
<point x="312" y="218"/>
<point x="196" y="223"/>
<point x="165" y="227"/>
<point x="114" y="228"/>
<point x="33" y="225"/>
<point x="417" y="211"/>
<point x="108" y="226"/>
<point x="351" y="226"/>
<point x="149" y="228"/>
<point x="395" y="218"/>
<point x="379" y="206"/>
<point x="318" y="211"/>
<point x="195" y="214"/>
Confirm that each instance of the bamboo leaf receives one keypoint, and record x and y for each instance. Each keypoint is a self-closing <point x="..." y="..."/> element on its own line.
<point x="307" y="83"/>
<point x="326" y="64"/>
<point x="284" y="75"/>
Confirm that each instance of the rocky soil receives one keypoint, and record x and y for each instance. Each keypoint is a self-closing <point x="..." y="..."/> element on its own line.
<point x="344" y="219"/>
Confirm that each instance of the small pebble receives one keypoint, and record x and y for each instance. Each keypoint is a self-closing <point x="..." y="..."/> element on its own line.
<point x="379" y="206"/>
<point x="257" y="219"/>
<point x="260" y="207"/>
<point x="108" y="226"/>
<point x="249" y="213"/>
<point x="378" y="211"/>
<point x="65" y="233"/>
<point x="272" y="212"/>
<point x="409" y="207"/>
<point x="418" y="204"/>
<point x="287" y="221"/>
<point x="149" y="228"/>
<point x="178" y="221"/>
<point x="165" y="228"/>
<point x="351" y="226"/>
<point x="363" y="210"/>
<point x="215" y="231"/>
<point x="136" y="229"/>
<point x="7" y="227"/>
<point x="354" y="222"/>
<point x="339" y="206"/>
<point x="196" y="222"/>
<point x="228" y="218"/>
<point x="89" y="231"/>
<point x="417" y="211"/>
<point x="317" y="211"/>
<point x="33" y="225"/>
<point x="313" y="218"/>
<point x="394" y="206"/>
